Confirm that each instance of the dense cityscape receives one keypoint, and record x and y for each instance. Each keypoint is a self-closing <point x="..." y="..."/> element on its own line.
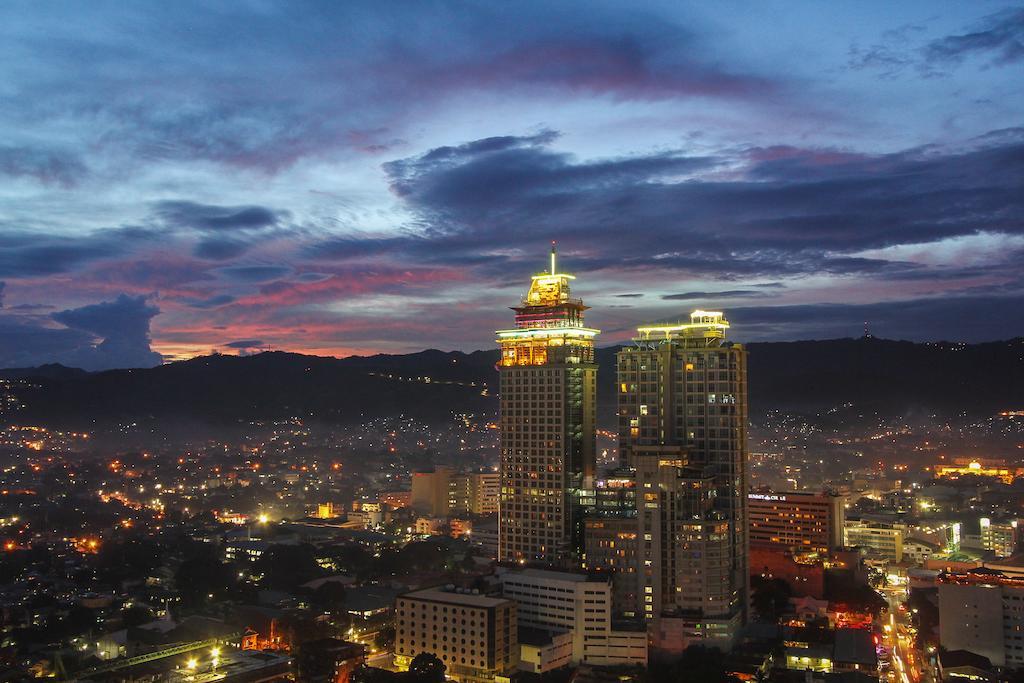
<point x="585" y="341"/>
<point x="527" y="543"/>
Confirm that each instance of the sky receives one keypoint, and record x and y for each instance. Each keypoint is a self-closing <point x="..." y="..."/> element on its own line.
<point x="338" y="178"/>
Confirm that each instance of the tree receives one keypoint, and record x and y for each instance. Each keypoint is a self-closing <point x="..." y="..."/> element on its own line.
<point x="330" y="596"/>
<point x="697" y="663"/>
<point x="301" y="627"/>
<point x="426" y="556"/>
<point x="384" y="638"/>
<point x="136" y="615"/>
<point x="129" y="559"/>
<point x="842" y="589"/>
<point x="201" y="577"/>
<point x="349" y="558"/>
<point x="426" y="668"/>
<point x="288" y="566"/>
<point x="770" y="598"/>
<point x="369" y="674"/>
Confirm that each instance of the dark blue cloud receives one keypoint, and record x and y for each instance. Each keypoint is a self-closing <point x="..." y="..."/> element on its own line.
<point x="314" y="80"/>
<point x="996" y="40"/>
<point x="312" y="277"/>
<point x="787" y="212"/>
<point x="215" y="301"/>
<point x="24" y="255"/>
<point x="725" y="294"/>
<point x="254" y="273"/>
<point x="184" y="214"/>
<point x="227" y="232"/>
<point x="220" y="249"/>
<point x="691" y="155"/>
<point x="47" y="166"/>
<point x="245" y="344"/>
<point x="999" y="37"/>
<point x="966" y="318"/>
<point x="347" y="247"/>
<point x="25" y="342"/>
<point x="112" y="334"/>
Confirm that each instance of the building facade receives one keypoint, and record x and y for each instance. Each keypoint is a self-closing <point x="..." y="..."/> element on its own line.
<point x="796" y="521"/>
<point x="560" y="602"/>
<point x="680" y="559"/>
<point x="982" y="611"/>
<point x="474" y="492"/>
<point x="474" y="635"/>
<point x="879" y="539"/>
<point x="548" y="419"/>
<point x="430" y="491"/>
<point x="1000" y="536"/>
<point x="445" y="491"/>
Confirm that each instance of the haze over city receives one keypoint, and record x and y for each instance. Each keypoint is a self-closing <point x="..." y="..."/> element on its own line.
<point x="352" y="178"/>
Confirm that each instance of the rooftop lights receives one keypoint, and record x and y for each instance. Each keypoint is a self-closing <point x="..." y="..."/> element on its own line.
<point x="547" y="332"/>
<point x="706" y="321"/>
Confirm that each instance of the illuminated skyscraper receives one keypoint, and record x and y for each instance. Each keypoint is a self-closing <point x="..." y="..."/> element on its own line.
<point x="548" y="416"/>
<point x="680" y="557"/>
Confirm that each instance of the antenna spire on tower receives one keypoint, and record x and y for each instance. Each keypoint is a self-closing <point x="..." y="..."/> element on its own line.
<point x="554" y="253"/>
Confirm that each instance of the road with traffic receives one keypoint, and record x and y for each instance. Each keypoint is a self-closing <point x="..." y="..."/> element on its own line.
<point x="908" y="664"/>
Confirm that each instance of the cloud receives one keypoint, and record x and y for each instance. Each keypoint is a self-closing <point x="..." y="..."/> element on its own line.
<point x="977" y="319"/>
<point x="226" y="232"/>
<point x="49" y="167"/>
<point x="726" y="294"/>
<point x="184" y="214"/>
<point x="3" y="285"/>
<point x="245" y="344"/>
<point x="26" y="255"/>
<point x="351" y="247"/>
<point x="219" y="249"/>
<point x="254" y="273"/>
<point x="307" y="169"/>
<point x="337" y="73"/>
<point x="999" y="37"/>
<point x="311" y="277"/>
<point x="111" y="334"/>
<point x="26" y="343"/>
<point x="215" y="301"/>
<point x="351" y="281"/>
<point x="778" y="211"/>
<point x="168" y="273"/>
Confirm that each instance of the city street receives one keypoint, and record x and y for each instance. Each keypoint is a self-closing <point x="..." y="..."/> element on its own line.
<point x="908" y="664"/>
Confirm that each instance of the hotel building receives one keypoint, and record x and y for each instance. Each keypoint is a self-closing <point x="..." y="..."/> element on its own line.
<point x="474" y="635"/>
<point x="680" y="557"/>
<point x="548" y="381"/>
<point x="796" y="521"/>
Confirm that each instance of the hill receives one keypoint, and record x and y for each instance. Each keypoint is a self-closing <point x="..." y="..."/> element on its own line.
<point x="893" y="377"/>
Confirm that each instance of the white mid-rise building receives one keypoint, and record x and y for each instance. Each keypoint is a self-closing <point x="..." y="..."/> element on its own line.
<point x="982" y="611"/>
<point x="882" y="540"/>
<point x="571" y="602"/>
